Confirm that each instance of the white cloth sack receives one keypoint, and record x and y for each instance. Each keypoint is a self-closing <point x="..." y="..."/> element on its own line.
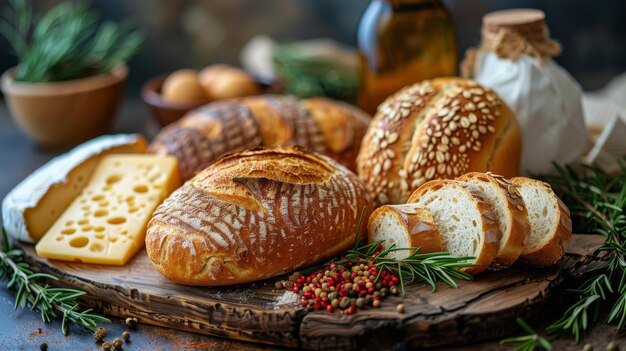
<point x="547" y="103"/>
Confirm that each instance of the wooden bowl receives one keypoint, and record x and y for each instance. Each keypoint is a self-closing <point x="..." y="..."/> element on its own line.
<point x="62" y="114"/>
<point x="167" y="112"/>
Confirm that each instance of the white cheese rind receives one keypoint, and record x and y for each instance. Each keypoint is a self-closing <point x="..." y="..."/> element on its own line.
<point x="28" y="193"/>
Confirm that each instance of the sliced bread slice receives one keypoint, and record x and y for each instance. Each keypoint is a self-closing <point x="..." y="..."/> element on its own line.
<point x="510" y="211"/>
<point x="550" y="222"/>
<point x="467" y="222"/>
<point x="405" y="226"/>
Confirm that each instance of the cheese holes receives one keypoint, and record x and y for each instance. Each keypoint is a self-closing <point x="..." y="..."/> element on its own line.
<point x="98" y="229"/>
<point x="99" y="236"/>
<point x="69" y="223"/>
<point x="83" y="221"/>
<point x="68" y="231"/>
<point x="113" y="179"/>
<point x="101" y="213"/>
<point x="79" y="242"/>
<point x="116" y="220"/>
<point x="96" y="247"/>
<point x="98" y="198"/>
<point x="140" y="189"/>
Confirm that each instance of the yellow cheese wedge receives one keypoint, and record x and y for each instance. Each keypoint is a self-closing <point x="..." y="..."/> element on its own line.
<point x="106" y="223"/>
<point x="31" y="208"/>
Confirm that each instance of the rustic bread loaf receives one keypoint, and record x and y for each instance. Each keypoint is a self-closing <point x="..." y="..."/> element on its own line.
<point x="254" y="215"/>
<point x="511" y="214"/>
<point x="406" y="225"/>
<point x="219" y="128"/>
<point x="467" y="222"/>
<point x="437" y="129"/>
<point x="550" y="222"/>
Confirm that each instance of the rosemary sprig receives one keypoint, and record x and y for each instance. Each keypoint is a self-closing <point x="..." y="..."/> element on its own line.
<point x="308" y="76"/>
<point x="66" y="43"/>
<point x="426" y="267"/>
<point x="50" y="303"/>
<point x="597" y="201"/>
<point x="527" y="342"/>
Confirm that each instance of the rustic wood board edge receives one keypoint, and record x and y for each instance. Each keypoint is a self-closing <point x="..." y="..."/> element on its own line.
<point x="450" y="316"/>
<point x="184" y="308"/>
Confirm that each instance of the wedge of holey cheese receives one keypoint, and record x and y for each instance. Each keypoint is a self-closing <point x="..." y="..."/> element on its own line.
<point x="31" y="208"/>
<point x="106" y="223"/>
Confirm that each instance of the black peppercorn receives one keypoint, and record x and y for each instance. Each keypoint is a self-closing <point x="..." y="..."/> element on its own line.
<point x="117" y="343"/>
<point x="99" y="334"/>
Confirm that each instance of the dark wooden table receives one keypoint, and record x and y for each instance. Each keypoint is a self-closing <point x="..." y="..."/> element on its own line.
<point x="19" y="329"/>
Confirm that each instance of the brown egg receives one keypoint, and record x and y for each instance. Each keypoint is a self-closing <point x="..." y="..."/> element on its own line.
<point x="208" y="75"/>
<point x="182" y="86"/>
<point x="224" y="82"/>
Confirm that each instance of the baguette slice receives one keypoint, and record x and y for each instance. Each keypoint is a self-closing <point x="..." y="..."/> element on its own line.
<point x="467" y="221"/>
<point x="405" y="226"/>
<point x="550" y="222"/>
<point x="510" y="210"/>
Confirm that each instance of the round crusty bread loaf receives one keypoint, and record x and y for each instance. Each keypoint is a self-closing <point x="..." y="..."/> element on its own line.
<point x="437" y="129"/>
<point x="510" y="211"/>
<point x="404" y="226"/>
<point x="214" y="130"/>
<point x="254" y="215"/>
<point x="467" y="221"/>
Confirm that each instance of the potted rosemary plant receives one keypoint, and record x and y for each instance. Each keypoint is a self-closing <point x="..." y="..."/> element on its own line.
<point x="70" y="74"/>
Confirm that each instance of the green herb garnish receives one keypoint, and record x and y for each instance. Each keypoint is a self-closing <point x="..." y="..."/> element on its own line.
<point x="66" y="43"/>
<point x="50" y="303"/>
<point x="527" y="342"/>
<point x="597" y="201"/>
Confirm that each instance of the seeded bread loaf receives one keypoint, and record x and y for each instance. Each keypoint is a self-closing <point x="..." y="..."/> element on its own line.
<point x="510" y="212"/>
<point x="550" y="222"/>
<point x="467" y="221"/>
<point x="254" y="215"/>
<point x="212" y="131"/>
<point x="437" y="129"/>
<point x="406" y="225"/>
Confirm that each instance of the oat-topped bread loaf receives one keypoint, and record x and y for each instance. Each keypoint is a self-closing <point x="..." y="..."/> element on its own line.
<point x="212" y="131"/>
<point x="254" y="215"/>
<point x="510" y="211"/>
<point x="436" y="129"/>
<point x="550" y="222"/>
<point x="467" y="221"/>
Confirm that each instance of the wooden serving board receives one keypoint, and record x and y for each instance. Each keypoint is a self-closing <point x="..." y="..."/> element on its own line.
<point x="481" y="309"/>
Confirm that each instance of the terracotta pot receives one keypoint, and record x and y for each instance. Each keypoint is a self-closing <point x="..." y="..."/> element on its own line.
<point x="62" y="114"/>
<point x="167" y="112"/>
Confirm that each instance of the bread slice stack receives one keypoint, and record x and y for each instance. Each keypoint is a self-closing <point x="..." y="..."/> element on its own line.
<point x="483" y="215"/>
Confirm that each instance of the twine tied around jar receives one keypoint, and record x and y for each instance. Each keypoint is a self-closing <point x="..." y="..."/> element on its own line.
<point x="511" y="41"/>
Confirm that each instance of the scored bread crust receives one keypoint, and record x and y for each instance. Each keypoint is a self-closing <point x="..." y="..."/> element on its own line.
<point x="437" y="129"/>
<point x="419" y="226"/>
<point x="512" y="243"/>
<point x="254" y="215"/>
<point x="488" y="225"/>
<point x="552" y="251"/>
<point x="204" y="135"/>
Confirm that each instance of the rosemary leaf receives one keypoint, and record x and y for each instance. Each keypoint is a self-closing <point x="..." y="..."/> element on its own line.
<point x="49" y="302"/>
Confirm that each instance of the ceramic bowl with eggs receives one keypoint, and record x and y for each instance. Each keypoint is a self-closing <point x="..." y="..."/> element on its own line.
<point x="171" y="96"/>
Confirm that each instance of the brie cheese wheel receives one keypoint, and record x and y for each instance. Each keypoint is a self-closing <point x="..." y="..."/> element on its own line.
<point x="30" y="209"/>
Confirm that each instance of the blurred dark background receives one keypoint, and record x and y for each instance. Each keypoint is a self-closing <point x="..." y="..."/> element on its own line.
<point x="195" y="33"/>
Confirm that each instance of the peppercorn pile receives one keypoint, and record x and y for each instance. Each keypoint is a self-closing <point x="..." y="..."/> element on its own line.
<point x="345" y="287"/>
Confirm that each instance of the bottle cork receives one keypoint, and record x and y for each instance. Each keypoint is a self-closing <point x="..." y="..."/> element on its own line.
<point x="529" y="23"/>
